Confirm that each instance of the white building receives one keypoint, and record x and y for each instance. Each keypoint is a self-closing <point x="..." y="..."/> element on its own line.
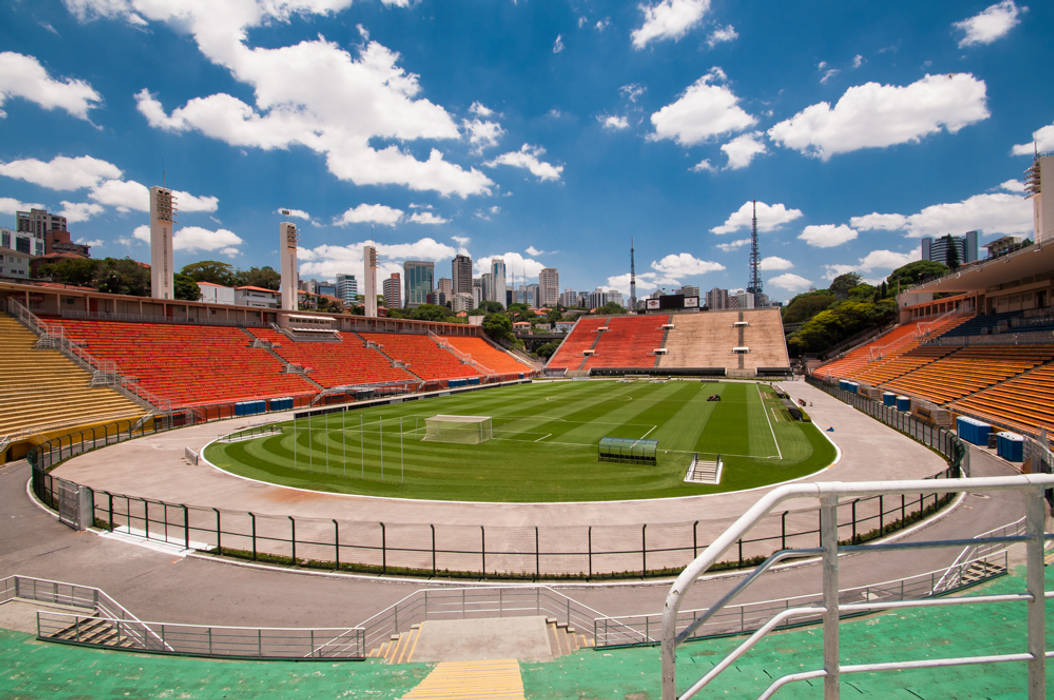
<point x="14" y="263"/>
<point x="392" y="296"/>
<point x="212" y="293"/>
<point x="717" y="299"/>
<point x="462" y="302"/>
<point x="548" y="287"/>
<point x="347" y="289"/>
<point x="569" y="298"/>
<point x="497" y="269"/>
<point x="256" y="297"/>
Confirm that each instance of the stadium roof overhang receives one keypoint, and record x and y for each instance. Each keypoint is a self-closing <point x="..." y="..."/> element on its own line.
<point x="1036" y="262"/>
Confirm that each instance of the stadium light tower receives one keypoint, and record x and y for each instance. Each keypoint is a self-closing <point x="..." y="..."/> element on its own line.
<point x="755" y="259"/>
<point x="162" y="220"/>
<point x="632" y="280"/>
<point x="288" y="241"/>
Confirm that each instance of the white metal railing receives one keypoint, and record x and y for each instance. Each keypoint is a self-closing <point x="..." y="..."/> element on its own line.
<point x="1031" y="486"/>
<point x="974" y="552"/>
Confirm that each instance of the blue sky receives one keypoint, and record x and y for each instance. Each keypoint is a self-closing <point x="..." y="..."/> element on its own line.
<point x="548" y="132"/>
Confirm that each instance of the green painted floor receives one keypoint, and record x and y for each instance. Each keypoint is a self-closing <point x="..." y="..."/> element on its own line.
<point x="31" y="669"/>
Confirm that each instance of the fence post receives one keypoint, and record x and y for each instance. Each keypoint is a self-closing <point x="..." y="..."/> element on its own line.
<point x="783" y="530"/>
<point x="186" y="527"/>
<point x="336" y="542"/>
<point x="109" y="497"/>
<point x="483" y="549"/>
<point x="384" y="550"/>
<point x="433" y="527"/>
<point x="643" y="550"/>
<point x="219" y="548"/>
<point x="589" y="548"/>
<point x="740" y="543"/>
<point x="695" y="539"/>
<point x="292" y="532"/>
<point x="537" y="554"/>
<point x="253" y="518"/>
<point x="881" y="516"/>
<point x="853" y="507"/>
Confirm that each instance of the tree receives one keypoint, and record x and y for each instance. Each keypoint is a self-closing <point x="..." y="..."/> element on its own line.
<point x="806" y="305"/>
<point x="488" y="307"/>
<point x="552" y="316"/>
<point x="122" y="276"/>
<point x="77" y="272"/>
<point x="519" y="312"/>
<point x="186" y="288"/>
<point x="546" y="351"/>
<point x="610" y="309"/>
<point x="915" y="273"/>
<point x="951" y="257"/>
<point x="266" y="277"/>
<point x="430" y="312"/>
<point x="498" y="327"/>
<point x="211" y="271"/>
<point x="841" y="284"/>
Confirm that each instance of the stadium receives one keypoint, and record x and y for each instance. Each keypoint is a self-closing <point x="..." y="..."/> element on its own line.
<point x="664" y="505"/>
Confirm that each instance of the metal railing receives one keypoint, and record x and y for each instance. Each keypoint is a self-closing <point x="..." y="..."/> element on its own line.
<point x="476" y="602"/>
<point x="1031" y="486"/>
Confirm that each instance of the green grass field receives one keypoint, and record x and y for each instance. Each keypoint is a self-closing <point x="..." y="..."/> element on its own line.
<point x="544" y="446"/>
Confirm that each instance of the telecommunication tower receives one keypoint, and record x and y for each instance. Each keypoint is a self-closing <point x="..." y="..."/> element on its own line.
<point x="755" y="259"/>
<point x="632" y="280"/>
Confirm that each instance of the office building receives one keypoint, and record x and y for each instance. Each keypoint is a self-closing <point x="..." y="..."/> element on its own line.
<point x="461" y="274"/>
<point x="35" y="225"/>
<point x="548" y="287"/>
<point x="21" y="241"/>
<point x="391" y="291"/>
<point x="498" y="289"/>
<point x="347" y="289"/>
<point x="569" y="298"/>
<point x="939" y="249"/>
<point x="418" y="278"/>
<point x="717" y="299"/>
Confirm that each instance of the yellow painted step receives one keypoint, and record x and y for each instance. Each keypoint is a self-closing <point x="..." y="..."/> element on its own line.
<point x="471" y="680"/>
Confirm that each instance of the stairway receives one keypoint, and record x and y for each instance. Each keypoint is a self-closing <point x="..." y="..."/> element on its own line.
<point x="497" y="679"/>
<point x="564" y="639"/>
<point x="97" y="631"/>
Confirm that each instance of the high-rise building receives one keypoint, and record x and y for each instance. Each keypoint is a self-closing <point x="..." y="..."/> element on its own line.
<point x="417" y="278"/>
<point x="717" y="299"/>
<point x="689" y="290"/>
<point x="391" y="291"/>
<point x="445" y="289"/>
<point x="347" y="289"/>
<point x="548" y="287"/>
<point x="461" y="274"/>
<point x="486" y="285"/>
<point x="162" y="219"/>
<point x="1042" y="168"/>
<point x="21" y="241"/>
<point x="939" y="249"/>
<point x="462" y="301"/>
<point x="369" y="279"/>
<point x="741" y="300"/>
<point x="287" y="244"/>
<point x="37" y="223"/>
<point x="569" y="298"/>
<point x="529" y="294"/>
<point x="477" y="292"/>
<point x="497" y="268"/>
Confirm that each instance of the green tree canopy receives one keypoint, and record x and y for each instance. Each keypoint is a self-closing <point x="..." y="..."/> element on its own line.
<point x="841" y="284"/>
<point x="914" y="273"/>
<point x="807" y="304"/>
<point x="122" y="276"/>
<point x="78" y="272"/>
<point x="431" y="312"/>
<point x="610" y="309"/>
<point x="498" y="327"/>
<point x="266" y="277"/>
<point x="212" y="271"/>
<point x="185" y="287"/>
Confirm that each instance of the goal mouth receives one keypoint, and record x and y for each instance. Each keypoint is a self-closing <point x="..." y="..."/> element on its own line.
<point x="464" y="430"/>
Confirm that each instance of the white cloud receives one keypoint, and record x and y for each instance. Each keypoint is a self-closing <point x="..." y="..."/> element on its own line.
<point x="827" y="235"/>
<point x="704" y="166"/>
<point x="613" y="122"/>
<point x="61" y="172"/>
<point x="427" y="217"/>
<point x="602" y="24"/>
<point x="193" y="239"/>
<point x="992" y="23"/>
<point x="774" y="262"/>
<point x="532" y="251"/>
<point x="770" y="216"/>
<point x="370" y="214"/>
<point x="558" y="45"/>
<point x="790" y="282"/>
<point x="294" y="213"/>
<point x="1042" y="140"/>
<point x="91" y="243"/>
<point x="142" y="233"/>
<point x="632" y="91"/>
<point x="702" y="111"/>
<point x="327" y="261"/>
<point x="732" y="245"/>
<point x="481" y="110"/>
<point x="313" y="94"/>
<point x="684" y="265"/>
<point x="75" y="212"/>
<point x="858" y="60"/>
<point x="187" y="202"/>
<point x="23" y="76"/>
<point x="722" y="34"/>
<point x="124" y="195"/>
<point x="528" y="157"/>
<point x="668" y="19"/>
<point x="877" y="260"/>
<point x="515" y="264"/>
<point x="9" y="205"/>
<point x="828" y="74"/>
<point x="461" y="240"/>
<point x="1012" y="186"/>
<point x="742" y="149"/>
<point x="481" y="133"/>
<point x="876" y="116"/>
<point x="997" y="212"/>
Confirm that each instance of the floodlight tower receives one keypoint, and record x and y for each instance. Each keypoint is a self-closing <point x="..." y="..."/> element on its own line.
<point x="755" y="259"/>
<point x="162" y="219"/>
<point x="287" y="241"/>
<point x="632" y="280"/>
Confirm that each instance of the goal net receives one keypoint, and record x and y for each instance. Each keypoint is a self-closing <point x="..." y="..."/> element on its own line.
<point x="467" y="430"/>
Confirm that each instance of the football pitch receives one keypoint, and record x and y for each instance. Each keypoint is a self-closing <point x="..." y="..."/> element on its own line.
<point x="544" y="445"/>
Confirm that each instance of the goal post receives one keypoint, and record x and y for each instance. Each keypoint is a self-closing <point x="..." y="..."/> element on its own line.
<point x="465" y="430"/>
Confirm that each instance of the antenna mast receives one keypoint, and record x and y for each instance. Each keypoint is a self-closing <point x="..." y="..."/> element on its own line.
<point x="632" y="280"/>
<point x="755" y="259"/>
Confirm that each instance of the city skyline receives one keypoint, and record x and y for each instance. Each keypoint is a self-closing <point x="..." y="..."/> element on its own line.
<point x="544" y="134"/>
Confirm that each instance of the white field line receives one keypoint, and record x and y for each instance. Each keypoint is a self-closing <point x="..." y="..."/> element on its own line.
<point x="543" y="437"/>
<point x="648" y="433"/>
<point x="769" y="421"/>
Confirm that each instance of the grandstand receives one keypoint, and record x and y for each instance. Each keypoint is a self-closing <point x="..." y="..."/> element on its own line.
<point x="496" y="360"/>
<point x="629" y="341"/>
<point x="422" y="356"/>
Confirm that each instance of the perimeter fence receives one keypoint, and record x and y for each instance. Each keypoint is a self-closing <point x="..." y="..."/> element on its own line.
<point x="599" y="551"/>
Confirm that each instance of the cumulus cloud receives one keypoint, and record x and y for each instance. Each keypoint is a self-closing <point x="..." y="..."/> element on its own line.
<point x="770" y="217"/>
<point x="61" y="172"/>
<point x="732" y="245"/>
<point x="790" y="282"/>
<point x="721" y="35"/>
<point x="194" y="239"/>
<point x="1042" y="140"/>
<point x="129" y="195"/>
<point x="827" y="235"/>
<point x="613" y="122"/>
<point x="528" y="157"/>
<point x="684" y="265"/>
<point x="992" y="23"/>
<point x="995" y="212"/>
<point x="742" y="149"/>
<point x="23" y="76"/>
<point x="10" y="205"/>
<point x="704" y="166"/>
<point x="427" y="217"/>
<point x="668" y="19"/>
<point x="707" y="108"/>
<point x="482" y="133"/>
<point x="515" y="264"/>
<point x="774" y="262"/>
<point x="75" y="212"/>
<point x="313" y="94"/>
<point x="481" y="110"/>
<point x="883" y="261"/>
<point x="294" y="213"/>
<point x="875" y="116"/>
<point x="1012" y="186"/>
<point x="370" y="214"/>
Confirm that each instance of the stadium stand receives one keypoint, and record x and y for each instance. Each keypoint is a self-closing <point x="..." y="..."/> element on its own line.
<point x="1024" y="402"/>
<point x="581" y="338"/>
<point x="894" y="366"/>
<point x="422" y="356"/>
<point x="702" y="340"/>
<point x="764" y="336"/>
<point x="487" y="355"/>
<point x="191" y="365"/>
<point x="629" y="341"/>
<point x="332" y="364"/>
<point x="41" y="390"/>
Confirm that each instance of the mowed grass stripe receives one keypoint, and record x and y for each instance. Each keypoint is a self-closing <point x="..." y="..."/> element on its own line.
<point x="511" y="470"/>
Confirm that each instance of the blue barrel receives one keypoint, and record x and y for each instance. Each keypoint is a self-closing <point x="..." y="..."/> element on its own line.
<point x="903" y="403"/>
<point x="1010" y="446"/>
<point x="973" y="430"/>
<point x="889" y="398"/>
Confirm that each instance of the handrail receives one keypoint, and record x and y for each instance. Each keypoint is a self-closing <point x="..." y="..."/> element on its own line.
<point x="969" y="551"/>
<point x="828" y="493"/>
